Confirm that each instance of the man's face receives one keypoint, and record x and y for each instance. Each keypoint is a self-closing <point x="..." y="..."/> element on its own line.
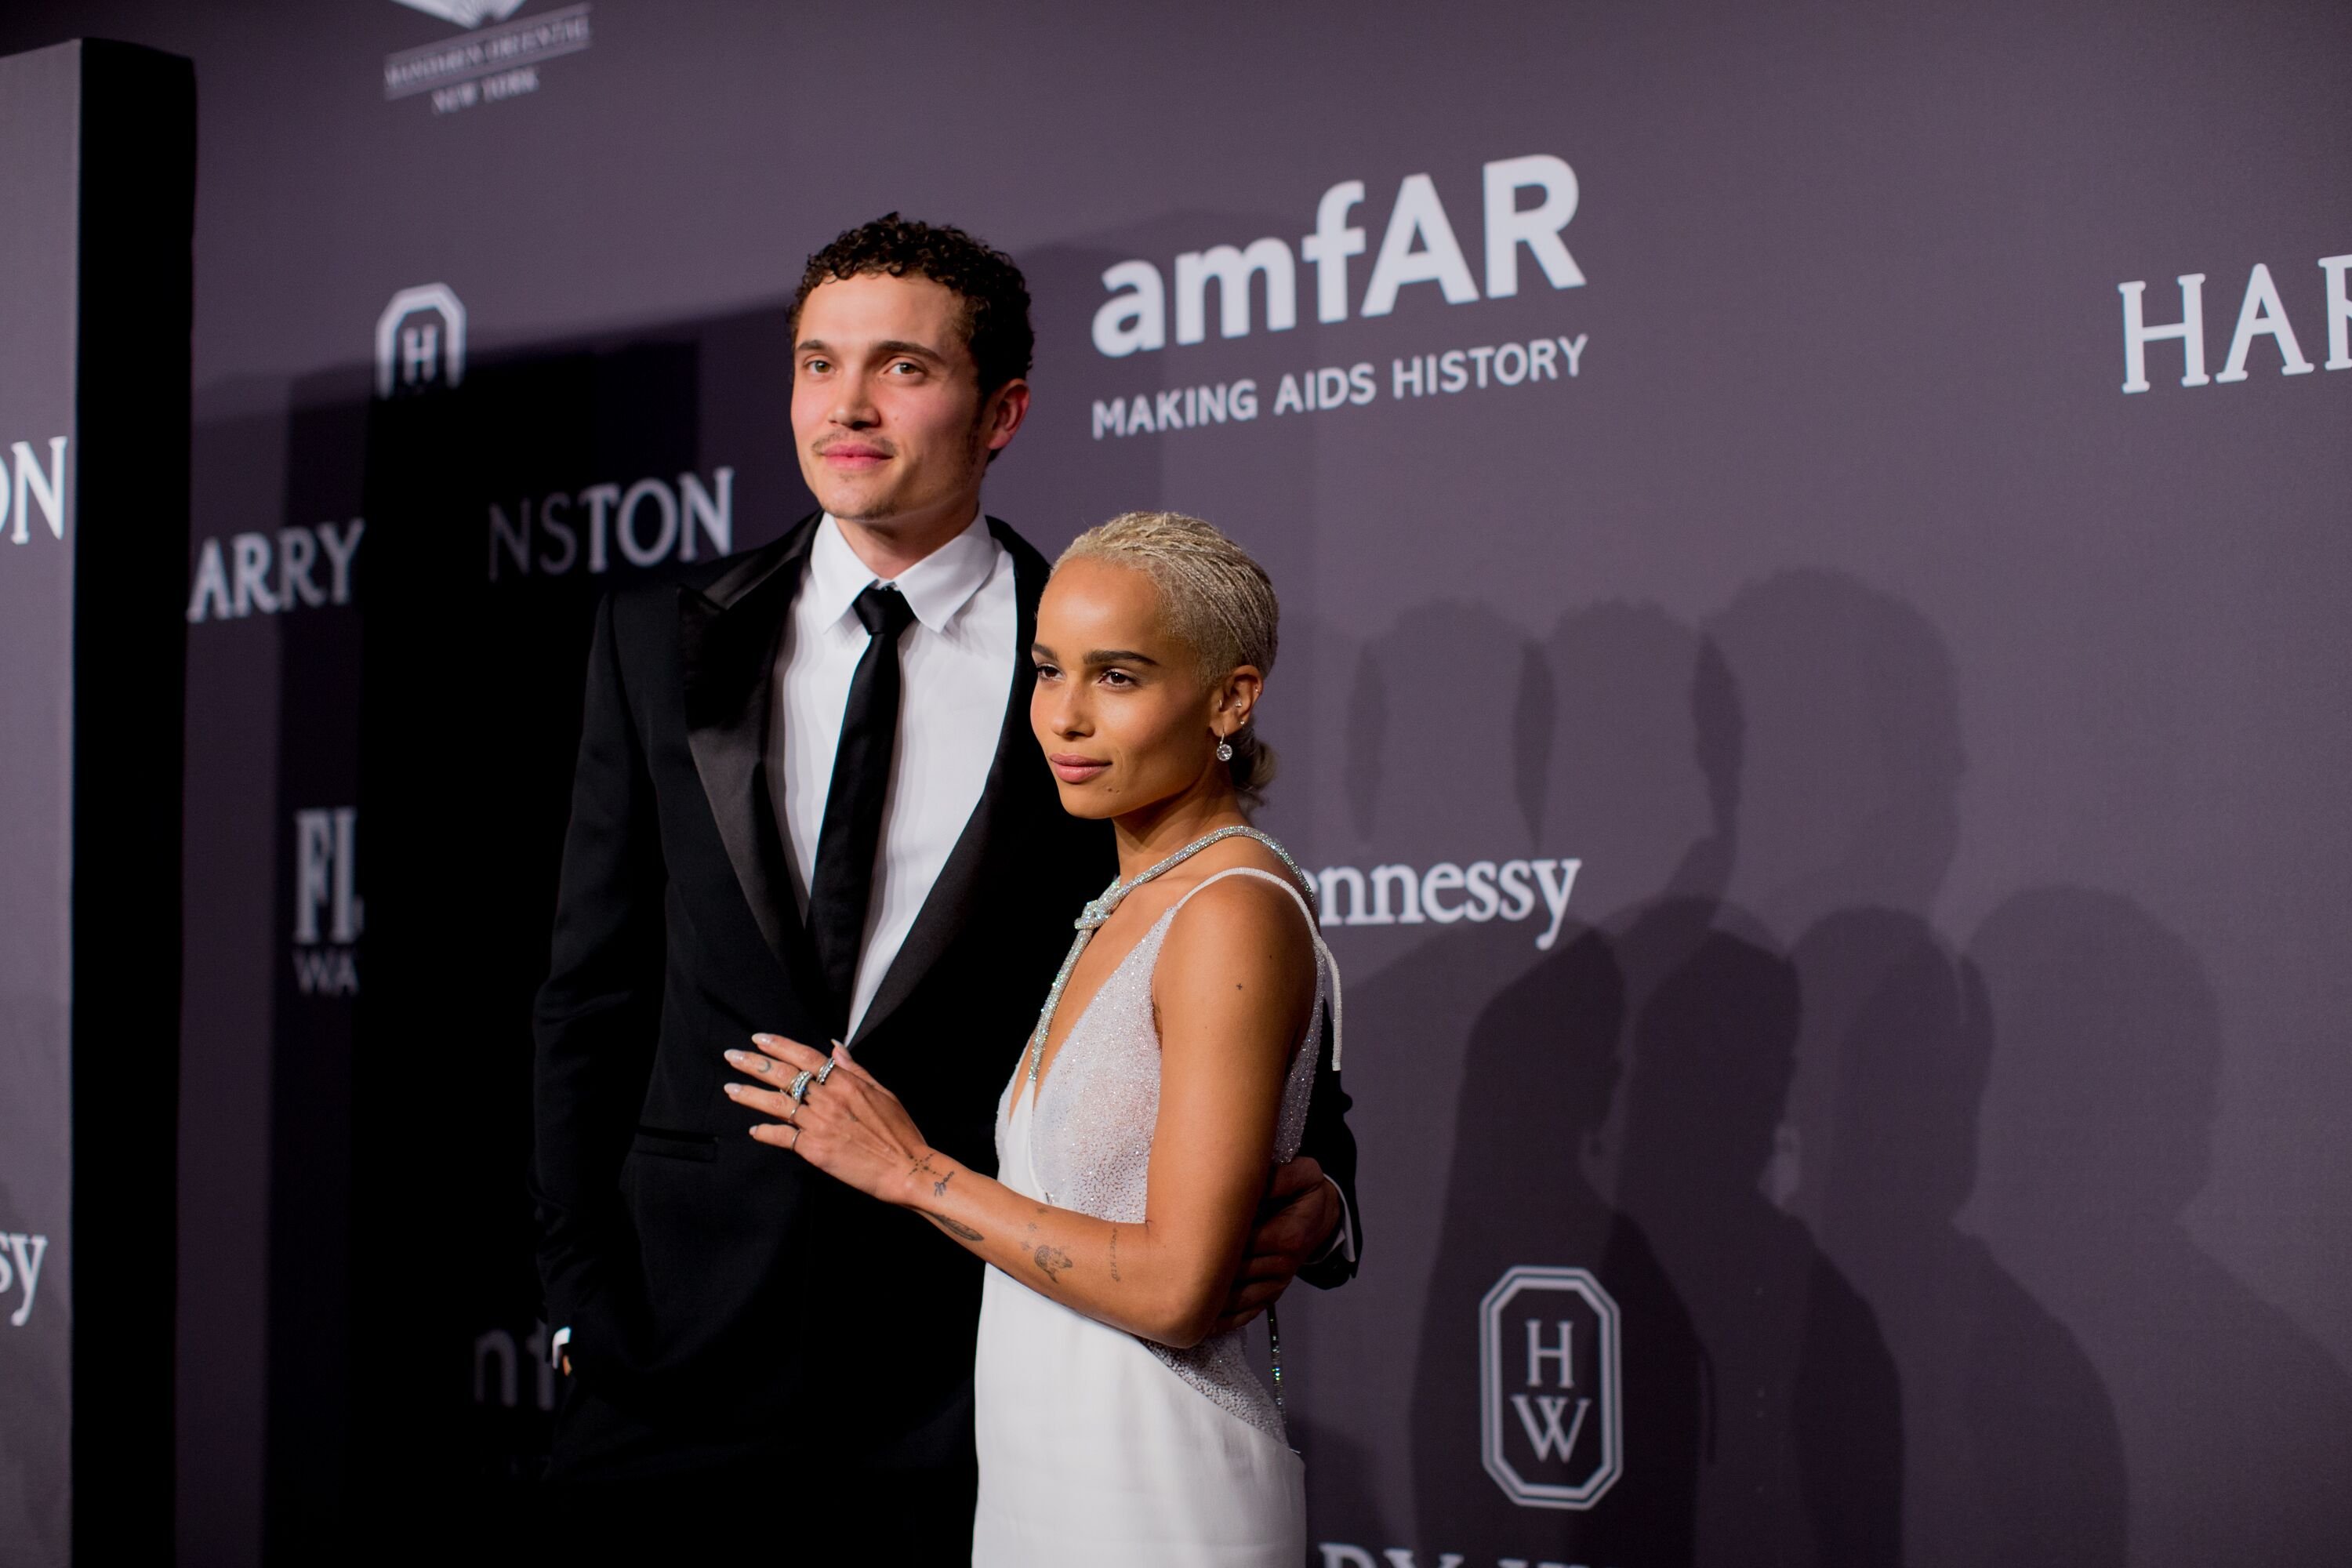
<point x="886" y="411"/>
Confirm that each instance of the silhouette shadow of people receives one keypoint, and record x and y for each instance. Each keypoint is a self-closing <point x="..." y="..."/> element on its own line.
<point x="2017" y="1458"/>
<point x="2098" y="1133"/>
<point x="1623" y="776"/>
<point x="1541" y="1072"/>
<point x="1803" y="1460"/>
<point x="1848" y="823"/>
<point x="1415" y="986"/>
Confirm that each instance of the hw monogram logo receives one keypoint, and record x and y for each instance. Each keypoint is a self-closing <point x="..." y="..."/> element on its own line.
<point x="420" y="341"/>
<point x="1550" y="1422"/>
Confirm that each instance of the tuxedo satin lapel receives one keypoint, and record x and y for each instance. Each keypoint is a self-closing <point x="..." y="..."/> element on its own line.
<point x="728" y="637"/>
<point x="950" y="902"/>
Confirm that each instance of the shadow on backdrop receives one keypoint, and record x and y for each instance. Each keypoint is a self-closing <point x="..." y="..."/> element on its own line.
<point x="1802" y="1457"/>
<point x="1849" y="821"/>
<point x="2098" y="1133"/>
<point x="2017" y="1458"/>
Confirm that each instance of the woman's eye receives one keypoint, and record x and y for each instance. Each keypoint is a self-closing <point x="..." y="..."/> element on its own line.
<point x="1118" y="677"/>
<point x="1046" y="672"/>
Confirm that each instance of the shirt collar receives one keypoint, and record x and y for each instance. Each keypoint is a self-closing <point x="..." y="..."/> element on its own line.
<point x="937" y="587"/>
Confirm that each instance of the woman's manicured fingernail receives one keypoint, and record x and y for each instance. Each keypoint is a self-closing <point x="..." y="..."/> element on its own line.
<point x="739" y="1058"/>
<point x="733" y="1090"/>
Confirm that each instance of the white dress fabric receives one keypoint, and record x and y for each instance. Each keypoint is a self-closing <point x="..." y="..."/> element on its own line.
<point x="1096" y="1446"/>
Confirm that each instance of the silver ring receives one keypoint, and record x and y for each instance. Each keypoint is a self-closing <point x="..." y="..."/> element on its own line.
<point x="825" y="1071"/>
<point x="799" y="1091"/>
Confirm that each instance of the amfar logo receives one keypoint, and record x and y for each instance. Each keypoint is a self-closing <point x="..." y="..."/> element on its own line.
<point x="33" y="486"/>
<point x="1550" y="1426"/>
<point x="259" y="575"/>
<point x="1417" y="247"/>
<point x="2261" y="313"/>
<point x="20" y="1265"/>
<point x="420" y="341"/>
<point x="328" y="914"/>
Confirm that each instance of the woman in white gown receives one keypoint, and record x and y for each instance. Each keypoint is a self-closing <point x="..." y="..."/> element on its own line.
<point x="1170" y="1069"/>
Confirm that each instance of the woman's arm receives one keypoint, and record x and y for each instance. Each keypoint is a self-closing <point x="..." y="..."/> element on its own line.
<point x="1233" y="991"/>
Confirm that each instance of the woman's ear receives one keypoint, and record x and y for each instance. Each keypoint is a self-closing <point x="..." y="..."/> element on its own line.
<point x="1237" y="695"/>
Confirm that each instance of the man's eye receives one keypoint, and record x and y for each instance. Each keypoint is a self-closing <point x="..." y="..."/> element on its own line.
<point x="907" y="366"/>
<point x="817" y="366"/>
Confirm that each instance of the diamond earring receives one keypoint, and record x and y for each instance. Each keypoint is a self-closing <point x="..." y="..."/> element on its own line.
<point x="1224" y="750"/>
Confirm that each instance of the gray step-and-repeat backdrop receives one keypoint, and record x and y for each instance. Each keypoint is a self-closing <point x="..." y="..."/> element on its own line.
<point x="1814" y="544"/>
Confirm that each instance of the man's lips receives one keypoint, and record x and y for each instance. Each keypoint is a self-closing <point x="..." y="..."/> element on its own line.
<point x="1072" y="769"/>
<point x="852" y="454"/>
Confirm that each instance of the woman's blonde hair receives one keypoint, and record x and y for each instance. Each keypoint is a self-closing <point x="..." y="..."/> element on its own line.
<point x="1216" y="599"/>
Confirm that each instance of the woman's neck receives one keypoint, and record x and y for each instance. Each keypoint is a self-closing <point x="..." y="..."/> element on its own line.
<point x="1150" y="836"/>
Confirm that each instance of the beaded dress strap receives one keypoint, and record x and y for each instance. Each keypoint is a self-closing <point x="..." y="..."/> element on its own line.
<point x="1099" y="909"/>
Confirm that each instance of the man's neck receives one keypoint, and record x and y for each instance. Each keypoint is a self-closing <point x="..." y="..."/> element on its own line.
<point x="889" y="546"/>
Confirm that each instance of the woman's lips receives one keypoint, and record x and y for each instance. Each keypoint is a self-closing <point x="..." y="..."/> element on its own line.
<point x="1074" y="770"/>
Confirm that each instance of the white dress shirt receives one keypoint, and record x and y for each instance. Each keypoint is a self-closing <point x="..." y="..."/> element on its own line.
<point x="956" y="662"/>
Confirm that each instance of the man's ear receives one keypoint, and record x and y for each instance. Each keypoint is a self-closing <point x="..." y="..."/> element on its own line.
<point x="1002" y="414"/>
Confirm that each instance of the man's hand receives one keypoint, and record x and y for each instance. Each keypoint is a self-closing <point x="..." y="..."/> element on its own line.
<point x="1295" y="1219"/>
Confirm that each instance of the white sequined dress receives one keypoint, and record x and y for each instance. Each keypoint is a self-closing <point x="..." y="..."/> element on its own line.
<point x="1097" y="1447"/>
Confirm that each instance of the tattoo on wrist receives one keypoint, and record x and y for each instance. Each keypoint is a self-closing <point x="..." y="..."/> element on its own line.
<point x="1114" y="1254"/>
<point x="1053" y="1260"/>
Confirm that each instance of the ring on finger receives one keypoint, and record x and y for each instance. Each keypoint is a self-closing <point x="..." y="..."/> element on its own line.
<point x="825" y="1071"/>
<point x="799" y="1091"/>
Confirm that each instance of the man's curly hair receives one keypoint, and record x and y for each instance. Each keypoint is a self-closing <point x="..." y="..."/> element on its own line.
<point x="995" y="296"/>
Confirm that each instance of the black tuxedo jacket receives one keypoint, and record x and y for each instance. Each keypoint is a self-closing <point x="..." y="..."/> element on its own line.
<point x="724" y="1297"/>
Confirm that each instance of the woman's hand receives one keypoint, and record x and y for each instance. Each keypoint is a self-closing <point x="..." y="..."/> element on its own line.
<point x="848" y="1126"/>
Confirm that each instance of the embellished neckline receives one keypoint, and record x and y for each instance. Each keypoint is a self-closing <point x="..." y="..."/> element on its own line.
<point x="1099" y="909"/>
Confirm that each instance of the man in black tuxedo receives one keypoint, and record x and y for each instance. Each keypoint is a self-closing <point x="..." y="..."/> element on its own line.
<point x="808" y="802"/>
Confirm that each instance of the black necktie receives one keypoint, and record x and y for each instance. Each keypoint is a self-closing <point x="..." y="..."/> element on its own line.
<point x="842" y="888"/>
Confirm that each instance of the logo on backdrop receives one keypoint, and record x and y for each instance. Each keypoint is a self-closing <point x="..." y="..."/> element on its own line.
<point x="1526" y="204"/>
<point x="2261" y="313"/>
<point x="1446" y="892"/>
<point x="495" y="1359"/>
<point x="495" y="62"/>
<point x="420" y="341"/>
<point x="328" y="914"/>
<point x="20" y="1272"/>
<point x="32" y="481"/>
<point x="1550" y="1426"/>
<point x="650" y="522"/>
<point x="269" y="574"/>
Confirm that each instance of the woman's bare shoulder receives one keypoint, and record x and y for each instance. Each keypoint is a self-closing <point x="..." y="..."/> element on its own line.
<point x="1238" y="937"/>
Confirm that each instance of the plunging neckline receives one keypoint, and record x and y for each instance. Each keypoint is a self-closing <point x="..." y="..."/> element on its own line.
<point x="1035" y="1088"/>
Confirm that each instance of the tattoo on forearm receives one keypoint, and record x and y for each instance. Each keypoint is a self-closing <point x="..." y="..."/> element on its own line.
<point x="1114" y="1254"/>
<point x="1053" y="1260"/>
<point x="960" y="1232"/>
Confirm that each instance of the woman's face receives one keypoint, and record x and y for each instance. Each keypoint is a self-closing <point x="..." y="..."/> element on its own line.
<point x="1121" y="707"/>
